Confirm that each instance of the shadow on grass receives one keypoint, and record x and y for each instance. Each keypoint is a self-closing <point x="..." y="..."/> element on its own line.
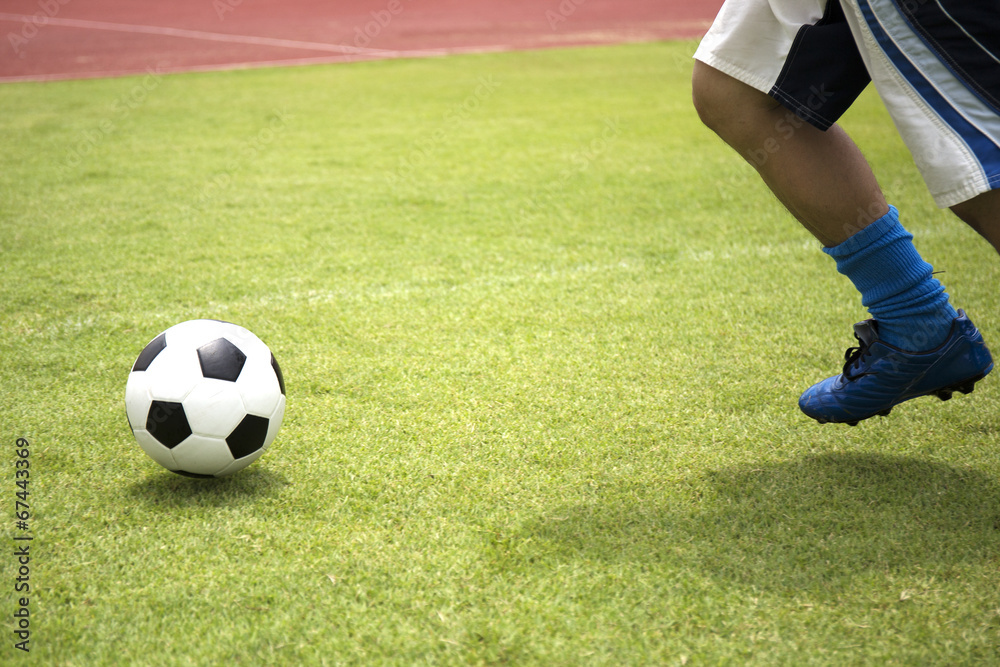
<point x="816" y="522"/>
<point x="167" y="489"/>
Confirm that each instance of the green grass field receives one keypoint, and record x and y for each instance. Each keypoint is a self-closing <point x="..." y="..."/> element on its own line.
<point x="543" y="337"/>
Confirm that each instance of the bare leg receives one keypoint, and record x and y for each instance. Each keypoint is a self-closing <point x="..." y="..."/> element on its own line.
<point x="825" y="182"/>
<point x="820" y="177"/>
<point x="982" y="213"/>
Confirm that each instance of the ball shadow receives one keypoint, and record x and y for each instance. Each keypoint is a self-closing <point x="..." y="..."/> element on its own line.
<point x="164" y="489"/>
<point x="818" y="521"/>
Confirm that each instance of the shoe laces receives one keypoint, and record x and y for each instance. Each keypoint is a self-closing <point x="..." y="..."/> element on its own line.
<point x="853" y="358"/>
<point x="866" y="334"/>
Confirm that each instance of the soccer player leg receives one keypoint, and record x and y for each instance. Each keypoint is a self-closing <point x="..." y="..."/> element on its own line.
<point x="778" y="111"/>
<point x="916" y="344"/>
<point x="804" y="55"/>
<point x="982" y="213"/>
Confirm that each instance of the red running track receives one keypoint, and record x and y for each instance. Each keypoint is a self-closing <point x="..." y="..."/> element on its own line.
<point x="63" y="39"/>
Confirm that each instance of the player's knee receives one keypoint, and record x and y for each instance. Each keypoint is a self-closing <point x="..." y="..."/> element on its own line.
<point x="718" y="98"/>
<point x="726" y="104"/>
<point x="707" y="95"/>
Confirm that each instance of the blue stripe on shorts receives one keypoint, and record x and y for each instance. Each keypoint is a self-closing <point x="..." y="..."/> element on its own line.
<point x="956" y="100"/>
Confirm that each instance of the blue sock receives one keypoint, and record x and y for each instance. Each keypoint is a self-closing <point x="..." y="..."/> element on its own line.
<point x="896" y="285"/>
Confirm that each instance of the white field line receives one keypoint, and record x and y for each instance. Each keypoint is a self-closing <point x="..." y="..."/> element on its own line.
<point x="482" y="285"/>
<point x="487" y="284"/>
<point x="364" y="294"/>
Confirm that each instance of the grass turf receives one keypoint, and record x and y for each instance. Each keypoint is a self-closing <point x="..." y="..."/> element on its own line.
<point x="543" y="335"/>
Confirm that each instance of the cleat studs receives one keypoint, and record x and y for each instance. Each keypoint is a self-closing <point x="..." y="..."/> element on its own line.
<point x="852" y="423"/>
<point x="885" y="413"/>
<point x="970" y="385"/>
<point x="944" y="394"/>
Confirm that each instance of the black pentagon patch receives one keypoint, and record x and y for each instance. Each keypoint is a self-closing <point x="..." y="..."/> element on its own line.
<point x="167" y="423"/>
<point x="149" y="352"/>
<point x="277" y="371"/>
<point x="248" y="437"/>
<point x="221" y="360"/>
<point x="185" y="473"/>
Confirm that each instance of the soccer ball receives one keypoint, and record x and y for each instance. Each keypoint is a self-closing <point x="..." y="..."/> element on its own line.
<point x="205" y="398"/>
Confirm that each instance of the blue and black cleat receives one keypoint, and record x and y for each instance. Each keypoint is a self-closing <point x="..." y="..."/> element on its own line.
<point x="878" y="376"/>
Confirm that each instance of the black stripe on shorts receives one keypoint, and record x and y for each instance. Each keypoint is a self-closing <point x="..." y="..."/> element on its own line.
<point x="824" y="72"/>
<point x="965" y="36"/>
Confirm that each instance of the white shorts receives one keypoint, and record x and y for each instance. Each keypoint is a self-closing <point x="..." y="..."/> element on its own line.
<point x="935" y="64"/>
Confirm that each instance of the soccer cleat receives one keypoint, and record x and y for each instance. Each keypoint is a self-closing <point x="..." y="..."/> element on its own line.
<point x="878" y="376"/>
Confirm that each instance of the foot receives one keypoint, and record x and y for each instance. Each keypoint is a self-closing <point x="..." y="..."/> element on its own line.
<point x="878" y="376"/>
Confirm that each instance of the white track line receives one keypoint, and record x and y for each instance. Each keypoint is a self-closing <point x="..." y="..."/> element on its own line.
<point x="221" y="37"/>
